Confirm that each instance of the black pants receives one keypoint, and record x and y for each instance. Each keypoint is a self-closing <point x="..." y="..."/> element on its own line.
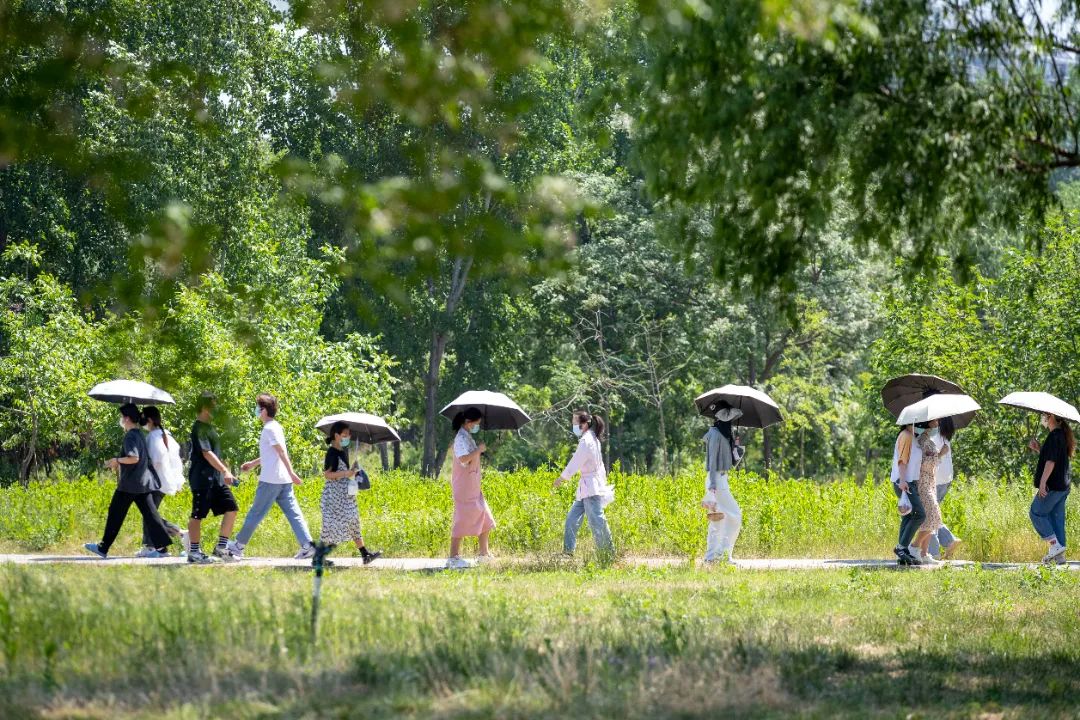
<point x="173" y="530"/>
<point x="910" y="523"/>
<point x="118" y="509"/>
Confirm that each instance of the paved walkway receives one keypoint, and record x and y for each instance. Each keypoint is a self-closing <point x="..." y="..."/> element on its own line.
<point x="435" y="564"/>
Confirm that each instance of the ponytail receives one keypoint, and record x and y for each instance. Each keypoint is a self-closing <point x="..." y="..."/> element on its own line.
<point x="151" y="414"/>
<point x="469" y="415"/>
<point x="1070" y="439"/>
<point x="595" y="422"/>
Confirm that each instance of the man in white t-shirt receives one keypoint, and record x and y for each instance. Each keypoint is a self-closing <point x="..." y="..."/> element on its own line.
<point x="276" y="480"/>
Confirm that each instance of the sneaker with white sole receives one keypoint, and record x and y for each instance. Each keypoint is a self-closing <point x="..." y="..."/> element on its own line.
<point x="1054" y="553"/>
<point x="457" y="563"/>
<point x="224" y="554"/>
<point x="154" y="554"/>
<point x="92" y="548"/>
<point x="146" y="551"/>
<point x="306" y="553"/>
<point x="485" y="559"/>
<point x="198" y="557"/>
<point x="235" y="550"/>
<point x="185" y="543"/>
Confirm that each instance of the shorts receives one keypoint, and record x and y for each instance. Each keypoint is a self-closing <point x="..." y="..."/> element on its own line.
<point x="217" y="499"/>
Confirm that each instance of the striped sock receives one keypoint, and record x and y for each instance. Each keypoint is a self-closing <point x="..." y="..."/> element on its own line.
<point x="194" y="547"/>
<point x="222" y="541"/>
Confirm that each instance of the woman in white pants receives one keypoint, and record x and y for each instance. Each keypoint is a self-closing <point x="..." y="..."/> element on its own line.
<point x="725" y="517"/>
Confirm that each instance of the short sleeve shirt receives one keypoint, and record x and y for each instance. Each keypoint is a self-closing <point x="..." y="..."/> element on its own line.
<point x="135" y="478"/>
<point x="1056" y="449"/>
<point x="463" y="443"/>
<point x="273" y="469"/>
<point x="336" y="460"/>
<point x="204" y="438"/>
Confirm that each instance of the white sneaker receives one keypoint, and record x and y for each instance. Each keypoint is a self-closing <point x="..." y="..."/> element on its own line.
<point x="484" y="559"/>
<point x="234" y="549"/>
<point x="456" y="563"/>
<point x="147" y="552"/>
<point x="185" y="543"/>
<point x="306" y="553"/>
<point x="1053" y="553"/>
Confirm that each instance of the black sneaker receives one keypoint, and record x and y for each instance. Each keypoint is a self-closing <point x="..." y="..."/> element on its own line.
<point x="372" y="557"/>
<point x="905" y="558"/>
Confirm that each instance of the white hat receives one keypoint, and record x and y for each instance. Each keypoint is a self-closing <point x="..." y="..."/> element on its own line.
<point x="728" y="414"/>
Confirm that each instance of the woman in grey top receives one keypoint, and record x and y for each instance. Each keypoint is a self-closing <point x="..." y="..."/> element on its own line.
<point x="725" y="517"/>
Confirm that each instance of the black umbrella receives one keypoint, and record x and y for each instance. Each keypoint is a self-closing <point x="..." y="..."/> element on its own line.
<point x="366" y="428"/>
<point x="498" y="411"/>
<point x="758" y="409"/>
<point x="906" y="390"/>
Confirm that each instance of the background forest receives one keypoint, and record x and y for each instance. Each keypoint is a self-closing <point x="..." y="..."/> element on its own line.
<point x="376" y="209"/>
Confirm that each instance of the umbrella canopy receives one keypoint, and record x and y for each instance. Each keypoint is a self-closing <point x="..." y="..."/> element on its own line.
<point x="758" y="409"/>
<point x="906" y="390"/>
<point x="498" y="411"/>
<point x="961" y="408"/>
<point x="365" y="427"/>
<point x="130" y="391"/>
<point x="1041" y="402"/>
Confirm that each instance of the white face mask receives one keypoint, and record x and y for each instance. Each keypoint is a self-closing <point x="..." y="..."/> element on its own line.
<point x="1044" y="421"/>
<point x="258" y="413"/>
<point x="578" y="432"/>
<point x="122" y="425"/>
<point x="474" y="429"/>
<point x="919" y="431"/>
<point x="934" y="432"/>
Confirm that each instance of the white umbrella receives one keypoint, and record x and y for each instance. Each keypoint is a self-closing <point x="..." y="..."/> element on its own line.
<point x="364" y="427"/>
<point x="130" y="391"/>
<point x="498" y="412"/>
<point x="1041" y="402"/>
<point x="759" y="410"/>
<point x="961" y="408"/>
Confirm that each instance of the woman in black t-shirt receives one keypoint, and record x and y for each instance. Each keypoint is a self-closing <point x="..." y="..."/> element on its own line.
<point x="1052" y="480"/>
<point x="340" y="515"/>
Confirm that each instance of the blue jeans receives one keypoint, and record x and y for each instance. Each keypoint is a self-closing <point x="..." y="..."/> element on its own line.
<point x="1048" y="515"/>
<point x="944" y="537"/>
<point x="266" y="494"/>
<point x="593" y="509"/>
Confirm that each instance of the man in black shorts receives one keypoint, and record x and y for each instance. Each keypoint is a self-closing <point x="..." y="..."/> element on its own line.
<point x="210" y="480"/>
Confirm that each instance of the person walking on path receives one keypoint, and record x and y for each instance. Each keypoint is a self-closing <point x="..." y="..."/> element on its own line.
<point x="593" y="491"/>
<point x="165" y="459"/>
<point x="931" y="454"/>
<point x="472" y="516"/>
<point x="943" y="544"/>
<point x="276" y="480"/>
<point x="211" y="482"/>
<point x="340" y="514"/>
<point x="905" y="464"/>
<point x="1053" y="481"/>
<point x="135" y="483"/>
<point x="723" y="511"/>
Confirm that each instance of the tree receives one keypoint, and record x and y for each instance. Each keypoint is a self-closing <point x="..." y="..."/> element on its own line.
<point x="930" y="121"/>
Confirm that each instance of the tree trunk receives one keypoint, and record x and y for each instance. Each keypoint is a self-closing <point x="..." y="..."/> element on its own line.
<point x="384" y="457"/>
<point x="431" y="389"/>
<point x="397" y="455"/>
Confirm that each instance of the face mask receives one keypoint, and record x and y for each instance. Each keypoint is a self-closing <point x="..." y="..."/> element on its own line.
<point x="934" y="432"/>
<point x="1044" y="421"/>
<point x="122" y="426"/>
<point x="258" y="413"/>
<point x="345" y="442"/>
<point x="919" y="431"/>
<point x="474" y="429"/>
<point x="577" y="430"/>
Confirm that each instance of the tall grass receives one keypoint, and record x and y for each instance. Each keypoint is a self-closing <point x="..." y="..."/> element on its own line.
<point x="179" y="642"/>
<point x="404" y="514"/>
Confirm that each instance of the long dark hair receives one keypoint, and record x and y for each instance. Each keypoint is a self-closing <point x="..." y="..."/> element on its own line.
<point x="1070" y="439"/>
<point x="947" y="427"/>
<point x="595" y="422"/>
<point x="151" y="414"/>
<point x="470" y="415"/>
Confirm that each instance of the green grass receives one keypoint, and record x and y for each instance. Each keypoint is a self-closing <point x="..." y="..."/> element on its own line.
<point x="539" y="642"/>
<point x="406" y="515"/>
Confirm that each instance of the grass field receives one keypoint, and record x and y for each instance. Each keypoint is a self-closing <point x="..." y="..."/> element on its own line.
<point x="537" y="642"/>
<point x="406" y="515"/>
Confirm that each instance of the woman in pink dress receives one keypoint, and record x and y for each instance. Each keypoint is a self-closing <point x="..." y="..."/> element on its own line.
<point x="472" y="516"/>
